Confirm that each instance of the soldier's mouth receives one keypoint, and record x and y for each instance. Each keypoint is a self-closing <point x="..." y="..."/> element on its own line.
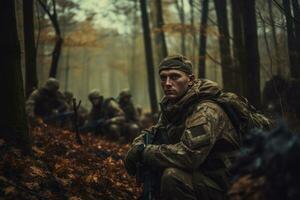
<point x="167" y="92"/>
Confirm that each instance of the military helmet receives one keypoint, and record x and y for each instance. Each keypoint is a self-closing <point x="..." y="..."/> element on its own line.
<point x="124" y="93"/>
<point x="93" y="94"/>
<point x="52" y="84"/>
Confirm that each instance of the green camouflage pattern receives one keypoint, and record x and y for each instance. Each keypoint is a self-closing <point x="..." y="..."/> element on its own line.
<point x="200" y="143"/>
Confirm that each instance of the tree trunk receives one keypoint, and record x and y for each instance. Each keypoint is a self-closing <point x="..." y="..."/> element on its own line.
<point x="58" y="37"/>
<point x="252" y="77"/>
<point x="14" y="128"/>
<point x="274" y="37"/>
<point x="238" y="44"/>
<point x="296" y="11"/>
<point x="55" y="56"/>
<point x="294" y="69"/>
<point x="149" y="56"/>
<point x="203" y="39"/>
<point x="31" y="81"/>
<point x="180" y="9"/>
<point x="160" y="39"/>
<point x="194" y="38"/>
<point x="224" y="45"/>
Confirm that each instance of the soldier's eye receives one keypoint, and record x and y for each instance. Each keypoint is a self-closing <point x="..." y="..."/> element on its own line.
<point x="174" y="77"/>
<point x="163" y="78"/>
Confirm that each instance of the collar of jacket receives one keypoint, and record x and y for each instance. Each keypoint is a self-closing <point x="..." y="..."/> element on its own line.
<point x="200" y="90"/>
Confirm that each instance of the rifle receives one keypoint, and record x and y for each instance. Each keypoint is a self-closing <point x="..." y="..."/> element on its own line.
<point x="144" y="174"/>
<point x="58" y="117"/>
<point x="91" y="126"/>
<point x="75" y="108"/>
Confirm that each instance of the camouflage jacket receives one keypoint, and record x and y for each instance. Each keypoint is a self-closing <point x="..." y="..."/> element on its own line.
<point x="198" y="135"/>
<point x="108" y="109"/>
<point x="129" y="111"/>
<point x="43" y="103"/>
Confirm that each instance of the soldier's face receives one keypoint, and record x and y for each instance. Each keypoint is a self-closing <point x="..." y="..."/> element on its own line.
<point x="175" y="83"/>
<point x="96" y="101"/>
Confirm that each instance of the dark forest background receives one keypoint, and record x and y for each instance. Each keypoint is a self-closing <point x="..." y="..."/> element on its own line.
<point x="113" y="45"/>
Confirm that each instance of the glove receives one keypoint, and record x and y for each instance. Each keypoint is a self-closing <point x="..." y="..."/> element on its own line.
<point x="133" y="157"/>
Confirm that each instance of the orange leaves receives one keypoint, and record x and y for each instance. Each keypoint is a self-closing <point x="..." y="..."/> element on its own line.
<point x="60" y="168"/>
<point x="8" y="190"/>
<point x="247" y="187"/>
<point x="35" y="171"/>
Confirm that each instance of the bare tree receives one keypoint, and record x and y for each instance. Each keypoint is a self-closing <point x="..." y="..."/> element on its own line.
<point x="149" y="56"/>
<point x="238" y="44"/>
<point x="224" y="45"/>
<point x="58" y="36"/>
<point x="203" y="39"/>
<point x="194" y="37"/>
<point x="252" y="76"/>
<point x="160" y="39"/>
<point x="13" y="125"/>
<point x="274" y="36"/>
<point x="180" y="8"/>
<point x="31" y="81"/>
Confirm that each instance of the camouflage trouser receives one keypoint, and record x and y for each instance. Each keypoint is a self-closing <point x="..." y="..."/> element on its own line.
<point x="112" y="131"/>
<point x="178" y="184"/>
<point x="130" y="131"/>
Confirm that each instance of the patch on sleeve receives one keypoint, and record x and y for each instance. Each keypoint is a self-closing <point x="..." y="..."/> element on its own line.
<point x="195" y="141"/>
<point x="197" y="130"/>
<point x="196" y="119"/>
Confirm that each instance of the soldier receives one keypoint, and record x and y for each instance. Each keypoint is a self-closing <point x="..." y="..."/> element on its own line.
<point x="195" y="139"/>
<point x="130" y="126"/>
<point x="105" y="116"/>
<point x="82" y="111"/>
<point x="46" y="102"/>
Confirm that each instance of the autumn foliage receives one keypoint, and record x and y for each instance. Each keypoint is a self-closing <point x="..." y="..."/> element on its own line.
<point x="59" y="168"/>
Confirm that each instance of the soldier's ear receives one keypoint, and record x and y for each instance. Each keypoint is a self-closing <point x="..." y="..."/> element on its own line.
<point x="192" y="79"/>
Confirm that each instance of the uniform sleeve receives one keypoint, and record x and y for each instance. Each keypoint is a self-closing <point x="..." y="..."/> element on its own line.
<point x="30" y="103"/>
<point x="203" y="128"/>
<point x="118" y="114"/>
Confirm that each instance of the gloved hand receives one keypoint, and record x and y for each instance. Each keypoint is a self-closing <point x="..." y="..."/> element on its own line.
<point x="134" y="155"/>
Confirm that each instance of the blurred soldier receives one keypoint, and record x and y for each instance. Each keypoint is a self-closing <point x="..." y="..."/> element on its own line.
<point x="82" y="111"/>
<point x="281" y="99"/>
<point x="47" y="102"/>
<point x="193" y="142"/>
<point x="130" y="126"/>
<point x="105" y="116"/>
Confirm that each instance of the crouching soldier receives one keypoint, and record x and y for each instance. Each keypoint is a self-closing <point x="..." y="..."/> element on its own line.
<point x="192" y="143"/>
<point x="82" y="112"/>
<point x="105" y="117"/>
<point x="47" y="103"/>
<point x="130" y="126"/>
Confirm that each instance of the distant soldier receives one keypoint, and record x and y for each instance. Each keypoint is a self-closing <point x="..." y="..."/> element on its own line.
<point x="131" y="127"/>
<point x="46" y="102"/>
<point x="82" y="111"/>
<point x="105" y="116"/>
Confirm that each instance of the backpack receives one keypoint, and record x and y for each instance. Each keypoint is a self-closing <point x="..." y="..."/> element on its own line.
<point x="241" y="113"/>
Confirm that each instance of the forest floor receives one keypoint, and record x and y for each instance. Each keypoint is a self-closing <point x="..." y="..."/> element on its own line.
<point x="59" y="168"/>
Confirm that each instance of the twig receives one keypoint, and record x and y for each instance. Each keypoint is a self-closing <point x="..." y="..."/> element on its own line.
<point x="75" y="108"/>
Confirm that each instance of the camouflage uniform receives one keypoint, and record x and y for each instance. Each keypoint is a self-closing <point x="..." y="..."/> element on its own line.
<point x="46" y="101"/>
<point x="82" y="112"/>
<point x="130" y="126"/>
<point x="108" y="110"/>
<point x="198" y="145"/>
